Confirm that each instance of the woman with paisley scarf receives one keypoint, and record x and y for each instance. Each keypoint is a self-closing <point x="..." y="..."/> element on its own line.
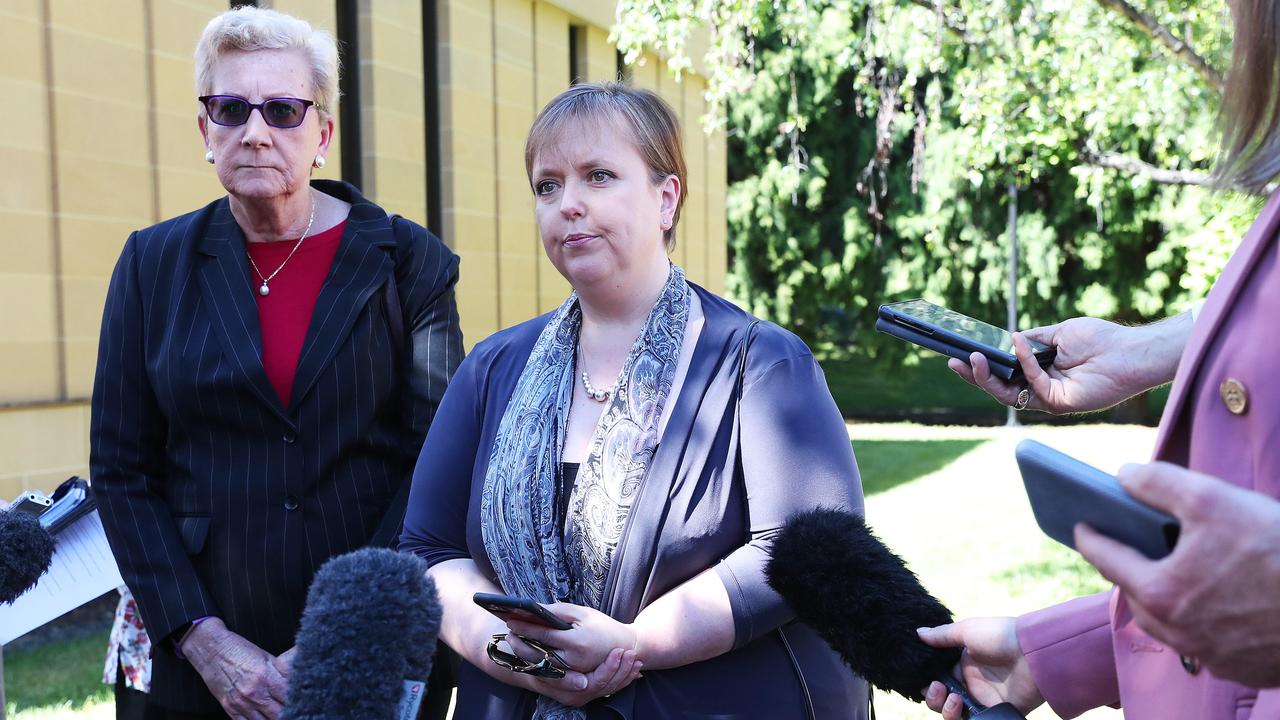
<point x="626" y="459"/>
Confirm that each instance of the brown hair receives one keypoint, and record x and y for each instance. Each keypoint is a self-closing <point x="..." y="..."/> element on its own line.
<point x="651" y="123"/>
<point x="1250" y="110"/>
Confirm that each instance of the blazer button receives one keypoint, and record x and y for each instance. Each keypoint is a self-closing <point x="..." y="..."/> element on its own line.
<point x="291" y="503"/>
<point x="1234" y="396"/>
<point x="1190" y="664"/>
<point x="290" y="436"/>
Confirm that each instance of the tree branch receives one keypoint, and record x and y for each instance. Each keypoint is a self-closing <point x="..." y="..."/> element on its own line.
<point x="1160" y="33"/>
<point x="1134" y="166"/>
<point x="948" y="21"/>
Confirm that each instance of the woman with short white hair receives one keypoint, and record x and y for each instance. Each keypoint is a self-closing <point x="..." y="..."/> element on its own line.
<point x="268" y="368"/>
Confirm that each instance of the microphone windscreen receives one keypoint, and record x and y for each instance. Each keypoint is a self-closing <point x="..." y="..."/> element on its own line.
<point x="861" y="599"/>
<point x="26" y="550"/>
<point x="370" y="625"/>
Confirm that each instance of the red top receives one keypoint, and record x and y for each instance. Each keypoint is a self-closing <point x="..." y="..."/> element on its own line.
<point x="285" y="313"/>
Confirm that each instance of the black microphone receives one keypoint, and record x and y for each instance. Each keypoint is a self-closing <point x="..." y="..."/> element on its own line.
<point x="866" y="604"/>
<point x="366" y="640"/>
<point x="26" y="549"/>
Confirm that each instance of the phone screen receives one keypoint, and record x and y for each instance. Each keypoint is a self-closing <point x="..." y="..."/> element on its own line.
<point x="964" y="325"/>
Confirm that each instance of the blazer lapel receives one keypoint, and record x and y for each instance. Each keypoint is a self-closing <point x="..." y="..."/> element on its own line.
<point x="362" y="264"/>
<point x="224" y="282"/>
<point x="1215" y="311"/>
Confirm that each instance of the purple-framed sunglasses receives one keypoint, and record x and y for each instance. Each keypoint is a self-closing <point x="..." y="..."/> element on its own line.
<point x="233" y="110"/>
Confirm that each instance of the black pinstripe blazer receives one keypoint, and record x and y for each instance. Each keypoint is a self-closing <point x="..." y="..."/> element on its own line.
<point x="218" y="500"/>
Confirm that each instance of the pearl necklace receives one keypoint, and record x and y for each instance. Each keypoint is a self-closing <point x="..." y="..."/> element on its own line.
<point x="263" y="289"/>
<point x="593" y="392"/>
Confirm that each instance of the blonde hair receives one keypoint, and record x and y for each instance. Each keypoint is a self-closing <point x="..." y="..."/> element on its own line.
<point x="1251" y="104"/>
<point x="248" y="28"/>
<point x="651" y="123"/>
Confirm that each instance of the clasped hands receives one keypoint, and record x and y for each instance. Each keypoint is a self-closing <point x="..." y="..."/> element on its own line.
<point x="600" y="654"/>
<point x="247" y="681"/>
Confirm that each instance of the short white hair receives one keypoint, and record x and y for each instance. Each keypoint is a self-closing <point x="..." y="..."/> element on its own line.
<point x="248" y="28"/>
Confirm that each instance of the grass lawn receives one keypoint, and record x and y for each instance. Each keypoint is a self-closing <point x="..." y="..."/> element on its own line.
<point x="949" y="500"/>
<point x="59" y="680"/>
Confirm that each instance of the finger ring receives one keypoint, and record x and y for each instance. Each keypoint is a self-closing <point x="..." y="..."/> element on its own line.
<point x="1024" y="397"/>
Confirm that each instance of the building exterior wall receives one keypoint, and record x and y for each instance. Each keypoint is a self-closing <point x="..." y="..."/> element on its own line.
<point x="106" y="142"/>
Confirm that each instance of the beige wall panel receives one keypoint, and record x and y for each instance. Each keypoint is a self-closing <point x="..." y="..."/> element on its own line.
<point x="94" y="243"/>
<point x="398" y="47"/>
<point x="26" y="245"/>
<point x="398" y="12"/>
<point x="551" y="34"/>
<point x="26" y="191"/>
<point x="179" y="145"/>
<point x="717" y="228"/>
<point x="21" y="10"/>
<point x="596" y="12"/>
<point x="175" y="86"/>
<point x="42" y="447"/>
<point x="96" y="187"/>
<point x="84" y="301"/>
<point x="98" y="129"/>
<point x="99" y="68"/>
<point x="644" y="73"/>
<point x="21" y="37"/>
<point x="602" y="58"/>
<point x="176" y="26"/>
<point x="322" y="14"/>
<point x="468" y="192"/>
<point x="182" y="191"/>
<point x="28" y="369"/>
<point x="514" y="91"/>
<point x="28" y="346"/>
<point x="404" y="187"/>
<point x="121" y="21"/>
<point x="694" y="216"/>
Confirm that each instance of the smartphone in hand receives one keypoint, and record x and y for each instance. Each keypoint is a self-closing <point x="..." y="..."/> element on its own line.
<point x="936" y="328"/>
<point x="1065" y="491"/>
<point x="522" y="609"/>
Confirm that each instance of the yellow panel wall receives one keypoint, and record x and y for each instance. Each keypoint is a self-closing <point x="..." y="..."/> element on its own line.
<point x="693" y="224"/>
<point x="519" y="250"/>
<point x="393" y="107"/>
<point x="551" y="47"/>
<point x="602" y="58"/>
<point x="28" y="284"/>
<point x="102" y="138"/>
<point x="42" y="446"/>
<point x="467" y="157"/>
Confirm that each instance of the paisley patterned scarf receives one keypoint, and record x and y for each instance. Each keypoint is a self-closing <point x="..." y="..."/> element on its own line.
<point x="518" y="509"/>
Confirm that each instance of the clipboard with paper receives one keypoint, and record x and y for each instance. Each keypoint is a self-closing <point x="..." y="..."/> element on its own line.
<point x="82" y="568"/>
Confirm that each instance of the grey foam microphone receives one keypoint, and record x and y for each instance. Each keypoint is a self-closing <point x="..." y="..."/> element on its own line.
<point x="26" y="549"/>
<point x="366" y="641"/>
<point x="863" y="601"/>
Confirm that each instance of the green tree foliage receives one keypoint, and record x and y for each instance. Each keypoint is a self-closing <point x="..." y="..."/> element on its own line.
<point x="872" y="143"/>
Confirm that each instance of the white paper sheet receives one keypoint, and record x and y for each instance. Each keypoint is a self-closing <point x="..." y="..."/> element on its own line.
<point x="82" y="569"/>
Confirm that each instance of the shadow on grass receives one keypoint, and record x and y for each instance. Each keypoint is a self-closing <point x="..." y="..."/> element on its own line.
<point x="61" y="675"/>
<point x="886" y="464"/>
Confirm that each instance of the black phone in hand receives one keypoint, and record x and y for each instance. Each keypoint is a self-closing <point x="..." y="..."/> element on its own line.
<point x="953" y="334"/>
<point x="523" y="609"/>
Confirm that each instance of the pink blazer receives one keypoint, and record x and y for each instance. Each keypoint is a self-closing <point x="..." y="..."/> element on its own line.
<point x="1089" y="652"/>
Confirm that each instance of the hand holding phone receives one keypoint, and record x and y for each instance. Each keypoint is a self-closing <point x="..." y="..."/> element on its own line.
<point x="1064" y="491"/>
<point x="523" y="609"/>
<point x="955" y="335"/>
